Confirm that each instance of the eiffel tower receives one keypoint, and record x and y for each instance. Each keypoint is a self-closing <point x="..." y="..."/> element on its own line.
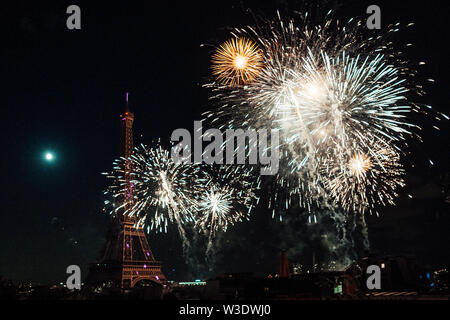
<point x="126" y="257"/>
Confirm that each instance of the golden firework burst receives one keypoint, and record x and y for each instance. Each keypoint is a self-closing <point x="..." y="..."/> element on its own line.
<point x="359" y="164"/>
<point x="237" y="62"/>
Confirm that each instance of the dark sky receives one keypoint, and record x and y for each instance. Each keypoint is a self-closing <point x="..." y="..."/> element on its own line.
<point x="63" y="91"/>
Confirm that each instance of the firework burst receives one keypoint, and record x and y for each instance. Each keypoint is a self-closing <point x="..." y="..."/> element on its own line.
<point x="162" y="191"/>
<point x="237" y="61"/>
<point x="229" y="197"/>
<point x="335" y="96"/>
<point x="216" y="209"/>
<point x="365" y="180"/>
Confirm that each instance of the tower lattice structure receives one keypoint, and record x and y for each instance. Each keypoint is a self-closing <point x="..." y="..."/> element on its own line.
<point x="126" y="256"/>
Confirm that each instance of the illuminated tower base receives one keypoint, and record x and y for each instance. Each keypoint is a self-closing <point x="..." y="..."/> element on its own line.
<point x="138" y="261"/>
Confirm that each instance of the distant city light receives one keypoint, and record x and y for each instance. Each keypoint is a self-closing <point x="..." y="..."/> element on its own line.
<point x="191" y="283"/>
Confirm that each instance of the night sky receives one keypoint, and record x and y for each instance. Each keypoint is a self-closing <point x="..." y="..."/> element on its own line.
<point x="63" y="91"/>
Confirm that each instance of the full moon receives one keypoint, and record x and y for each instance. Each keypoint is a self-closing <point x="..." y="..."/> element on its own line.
<point x="49" y="156"/>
